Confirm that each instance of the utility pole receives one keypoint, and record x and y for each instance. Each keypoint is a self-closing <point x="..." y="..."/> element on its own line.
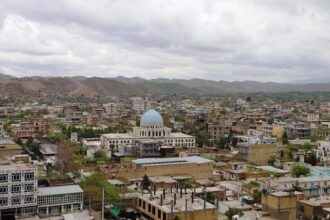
<point x="102" y="214"/>
<point x="89" y="204"/>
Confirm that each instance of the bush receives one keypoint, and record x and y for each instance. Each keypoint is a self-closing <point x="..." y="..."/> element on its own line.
<point x="300" y="170"/>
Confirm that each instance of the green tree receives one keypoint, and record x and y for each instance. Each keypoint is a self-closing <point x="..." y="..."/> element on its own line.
<point x="210" y="197"/>
<point x="93" y="186"/>
<point x="311" y="159"/>
<point x="285" y="139"/>
<point x="272" y="161"/>
<point x="145" y="182"/>
<point x="300" y="170"/>
<point x="101" y="155"/>
<point x="233" y="211"/>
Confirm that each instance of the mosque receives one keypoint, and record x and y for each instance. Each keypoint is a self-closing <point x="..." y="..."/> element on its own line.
<point x="151" y="129"/>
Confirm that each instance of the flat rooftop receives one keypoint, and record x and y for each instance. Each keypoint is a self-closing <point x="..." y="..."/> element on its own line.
<point x="317" y="201"/>
<point x="58" y="190"/>
<point x="119" y="136"/>
<point x="180" y="135"/>
<point x="304" y="179"/>
<point x="198" y="203"/>
<point x="17" y="167"/>
<point x="272" y="169"/>
<point x="171" y="160"/>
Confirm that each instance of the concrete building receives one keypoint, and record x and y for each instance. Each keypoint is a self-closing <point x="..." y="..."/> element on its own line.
<point x="298" y="130"/>
<point x="217" y="131"/>
<point x="321" y="132"/>
<point x="140" y="104"/>
<point x="310" y="117"/>
<point x="311" y="186"/>
<point x="312" y="208"/>
<point x="110" y="108"/>
<point x="258" y="154"/>
<point x="151" y="128"/>
<point x="323" y="151"/>
<point x="191" y="167"/>
<point x="281" y="205"/>
<point x="169" y="206"/>
<point x="18" y="184"/>
<point x="59" y="199"/>
<point x="143" y="148"/>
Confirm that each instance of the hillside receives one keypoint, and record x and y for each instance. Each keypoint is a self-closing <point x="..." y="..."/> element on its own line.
<point x="121" y="86"/>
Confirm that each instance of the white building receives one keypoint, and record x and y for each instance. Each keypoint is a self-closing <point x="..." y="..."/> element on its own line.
<point x="111" y="108"/>
<point x="140" y="104"/>
<point x="18" y="184"/>
<point x="60" y="199"/>
<point x="323" y="150"/>
<point x="151" y="128"/>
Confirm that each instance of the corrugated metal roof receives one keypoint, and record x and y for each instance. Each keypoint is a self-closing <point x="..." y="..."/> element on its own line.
<point x="150" y="161"/>
<point x="56" y="190"/>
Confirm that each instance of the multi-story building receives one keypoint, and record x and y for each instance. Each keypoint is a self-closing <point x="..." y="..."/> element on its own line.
<point x="171" y="206"/>
<point x="258" y="154"/>
<point x="217" y="131"/>
<point x="310" y="186"/>
<point x="29" y="129"/>
<point x="323" y="151"/>
<point x="281" y="205"/>
<point x="298" y="130"/>
<point x="24" y="130"/>
<point x="57" y="200"/>
<point x="151" y="128"/>
<point x="110" y="108"/>
<point x="321" y="132"/>
<point x="140" y="104"/>
<point x="18" y="184"/>
<point x="312" y="208"/>
<point x="309" y="117"/>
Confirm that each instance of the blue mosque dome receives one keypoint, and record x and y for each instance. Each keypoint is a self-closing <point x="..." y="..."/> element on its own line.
<point x="151" y="118"/>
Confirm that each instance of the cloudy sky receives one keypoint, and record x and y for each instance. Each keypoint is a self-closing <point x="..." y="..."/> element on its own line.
<point x="262" y="40"/>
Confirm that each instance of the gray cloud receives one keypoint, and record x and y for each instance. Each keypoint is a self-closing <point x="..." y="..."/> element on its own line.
<point x="264" y="40"/>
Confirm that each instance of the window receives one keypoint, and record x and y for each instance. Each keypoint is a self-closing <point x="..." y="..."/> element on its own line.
<point x="153" y="210"/>
<point x="164" y="216"/>
<point x="16" y="200"/>
<point x="159" y="214"/>
<point x="140" y="203"/>
<point x="15" y="188"/>
<point x="149" y="208"/>
<point x="3" y="178"/>
<point x="3" y="201"/>
<point x="15" y="177"/>
<point x="29" y="188"/>
<point x="28" y="199"/>
<point x="29" y="176"/>
<point x="3" y="189"/>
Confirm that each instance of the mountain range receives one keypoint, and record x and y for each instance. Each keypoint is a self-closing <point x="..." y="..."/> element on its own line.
<point x="123" y="86"/>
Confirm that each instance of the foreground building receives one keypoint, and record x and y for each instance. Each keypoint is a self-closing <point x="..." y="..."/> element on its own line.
<point x="60" y="199"/>
<point x="281" y="205"/>
<point x="151" y="128"/>
<point x="173" y="206"/>
<point x="18" y="184"/>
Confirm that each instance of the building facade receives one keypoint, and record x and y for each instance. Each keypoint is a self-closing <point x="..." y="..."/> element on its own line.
<point x="59" y="199"/>
<point x="18" y="184"/>
<point x="140" y="104"/>
<point x="151" y="128"/>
